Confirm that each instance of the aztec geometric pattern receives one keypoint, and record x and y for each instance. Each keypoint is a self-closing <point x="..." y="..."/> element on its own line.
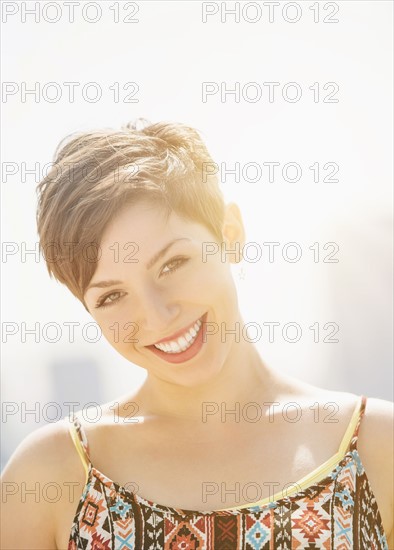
<point x="337" y="513"/>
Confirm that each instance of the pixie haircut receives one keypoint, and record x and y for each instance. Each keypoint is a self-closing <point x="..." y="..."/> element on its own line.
<point x="95" y="174"/>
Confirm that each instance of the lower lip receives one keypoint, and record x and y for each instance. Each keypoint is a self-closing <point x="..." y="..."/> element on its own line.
<point x="189" y="353"/>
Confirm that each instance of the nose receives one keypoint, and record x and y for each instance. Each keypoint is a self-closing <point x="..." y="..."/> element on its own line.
<point x="156" y="310"/>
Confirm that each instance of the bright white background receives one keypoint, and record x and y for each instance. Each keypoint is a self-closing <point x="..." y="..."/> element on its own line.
<point x="170" y="52"/>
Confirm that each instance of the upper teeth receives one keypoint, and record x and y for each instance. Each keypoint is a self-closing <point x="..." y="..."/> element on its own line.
<point x="181" y="343"/>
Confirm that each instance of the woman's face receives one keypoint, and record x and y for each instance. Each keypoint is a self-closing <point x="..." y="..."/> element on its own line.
<point x="154" y="286"/>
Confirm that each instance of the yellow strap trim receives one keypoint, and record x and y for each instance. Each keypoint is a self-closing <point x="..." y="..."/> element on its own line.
<point x="80" y="449"/>
<point x="319" y="473"/>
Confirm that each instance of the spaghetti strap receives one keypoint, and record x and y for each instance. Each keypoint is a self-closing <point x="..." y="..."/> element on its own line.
<point x="354" y="438"/>
<point x="80" y="441"/>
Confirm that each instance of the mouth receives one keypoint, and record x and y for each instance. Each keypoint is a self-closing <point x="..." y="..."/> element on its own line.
<point x="183" y="345"/>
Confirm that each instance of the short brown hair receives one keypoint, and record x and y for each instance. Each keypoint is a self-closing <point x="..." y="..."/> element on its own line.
<point x="91" y="180"/>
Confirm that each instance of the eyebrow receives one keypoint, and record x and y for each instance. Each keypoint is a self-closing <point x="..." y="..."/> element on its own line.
<point x="150" y="263"/>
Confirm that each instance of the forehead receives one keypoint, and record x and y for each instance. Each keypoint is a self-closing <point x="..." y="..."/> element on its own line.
<point x="144" y="222"/>
<point x="146" y="227"/>
<point x="136" y="221"/>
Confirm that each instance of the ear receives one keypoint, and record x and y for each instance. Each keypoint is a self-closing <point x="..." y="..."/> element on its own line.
<point x="233" y="232"/>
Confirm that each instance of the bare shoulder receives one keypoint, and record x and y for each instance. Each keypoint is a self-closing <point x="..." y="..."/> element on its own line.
<point x="39" y="452"/>
<point x="48" y="449"/>
<point x="380" y="412"/>
<point x="376" y="434"/>
<point x="375" y="444"/>
<point x="338" y="406"/>
<point x="34" y="484"/>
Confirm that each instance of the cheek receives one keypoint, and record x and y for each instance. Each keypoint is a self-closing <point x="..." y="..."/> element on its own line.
<point x="216" y="287"/>
<point x="117" y="327"/>
<point x="122" y="335"/>
<point x="210" y="285"/>
<point x="219" y="277"/>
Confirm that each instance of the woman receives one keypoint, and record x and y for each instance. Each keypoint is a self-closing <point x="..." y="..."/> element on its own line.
<point x="141" y="236"/>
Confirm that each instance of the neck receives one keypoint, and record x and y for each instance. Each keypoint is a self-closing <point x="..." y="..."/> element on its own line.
<point x="243" y="378"/>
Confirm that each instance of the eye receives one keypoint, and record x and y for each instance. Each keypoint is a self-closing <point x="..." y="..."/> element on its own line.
<point x="173" y="265"/>
<point x="113" y="298"/>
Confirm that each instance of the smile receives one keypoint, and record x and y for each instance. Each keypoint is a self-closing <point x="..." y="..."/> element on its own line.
<point x="183" y="342"/>
<point x="183" y="345"/>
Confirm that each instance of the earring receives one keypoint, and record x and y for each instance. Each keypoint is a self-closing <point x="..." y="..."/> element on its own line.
<point x="241" y="274"/>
